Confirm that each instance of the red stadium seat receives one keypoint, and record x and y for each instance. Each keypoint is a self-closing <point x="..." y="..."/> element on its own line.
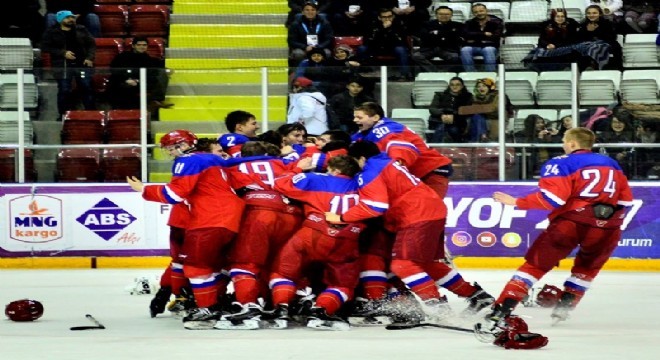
<point x="83" y="127"/>
<point x="106" y="50"/>
<point x="353" y="41"/>
<point x="78" y="165"/>
<point x="100" y="82"/>
<point x="123" y="127"/>
<point x="8" y="162"/>
<point x="114" y="1"/>
<point x="461" y="162"/>
<point x="164" y="2"/>
<point x="149" y="20"/>
<point x="117" y="164"/>
<point x="114" y="19"/>
<point x="486" y="163"/>
<point x="156" y="46"/>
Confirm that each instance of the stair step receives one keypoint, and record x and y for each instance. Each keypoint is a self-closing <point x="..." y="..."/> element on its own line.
<point x="224" y="101"/>
<point x="246" y="19"/>
<point x="227" y="76"/>
<point x="224" y="89"/>
<point x="280" y="7"/>
<point x="210" y="64"/>
<point x="227" y="29"/>
<point x="227" y="53"/>
<point x="228" y="41"/>
<point x="217" y="114"/>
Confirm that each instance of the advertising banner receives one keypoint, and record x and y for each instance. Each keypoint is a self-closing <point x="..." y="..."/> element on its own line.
<point x="112" y="220"/>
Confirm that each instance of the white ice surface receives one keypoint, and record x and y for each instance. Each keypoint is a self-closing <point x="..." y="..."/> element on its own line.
<point x="618" y="319"/>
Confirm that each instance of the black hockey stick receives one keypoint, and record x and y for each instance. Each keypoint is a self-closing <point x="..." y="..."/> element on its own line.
<point x="97" y="324"/>
<point x="403" y="326"/>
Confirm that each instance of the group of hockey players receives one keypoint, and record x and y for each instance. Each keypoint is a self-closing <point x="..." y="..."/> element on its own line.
<point x="317" y="229"/>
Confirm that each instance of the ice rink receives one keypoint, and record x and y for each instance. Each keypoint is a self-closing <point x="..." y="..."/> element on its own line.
<point x="618" y="319"/>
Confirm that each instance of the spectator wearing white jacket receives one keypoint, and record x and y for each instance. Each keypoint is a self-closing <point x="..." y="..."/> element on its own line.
<point x="307" y="107"/>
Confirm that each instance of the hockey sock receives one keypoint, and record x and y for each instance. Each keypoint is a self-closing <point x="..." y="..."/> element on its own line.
<point x="246" y="287"/>
<point x="283" y="290"/>
<point x="577" y="284"/>
<point x="204" y="285"/>
<point x="331" y="299"/>
<point x="222" y="280"/>
<point x="373" y="277"/>
<point x="413" y="275"/>
<point x="450" y="279"/>
<point x="177" y="279"/>
<point x="524" y="278"/>
<point x="166" y="278"/>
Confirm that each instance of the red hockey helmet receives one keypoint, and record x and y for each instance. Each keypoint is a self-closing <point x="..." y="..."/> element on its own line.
<point x="24" y="310"/>
<point x="548" y="296"/>
<point x="177" y="137"/>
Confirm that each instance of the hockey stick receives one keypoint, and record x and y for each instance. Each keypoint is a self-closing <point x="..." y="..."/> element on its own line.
<point x="399" y="326"/>
<point x="97" y="324"/>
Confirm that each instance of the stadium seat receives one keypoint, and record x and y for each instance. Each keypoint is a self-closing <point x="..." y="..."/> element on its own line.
<point x="78" y="165"/>
<point x="83" y="127"/>
<point x="9" y="91"/>
<point x="427" y="84"/>
<point x="554" y="88"/>
<point x="521" y="86"/>
<point x="117" y="164"/>
<point x="462" y="10"/>
<point x="9" y="127"/>
<point x="640" y="50"/>
<point x="164" y="2"/>
<point x="470" y="78"/>
<point x="415" y="119"/>
<point x="353" y="41"/>
<point x="149" y="20"/>
<point x="106" y="50"/>
<point x="574" y="8"/>
<point x="114" y="19"/>
<point x="461" y="162"/>
<point x="114" y="1"/>
<point x="499" y="9"/>
<point x="640" y="86"/>
<point x="156" y="46"/>
<point x="486" y="163"/>
<point x="123" y="127"/>
<point x="599" y="87"/>
<point x="528" y="11"/>
<point x="100" y="81"/>
<point x="514" y="49"/>
<point x="8" y="162"/>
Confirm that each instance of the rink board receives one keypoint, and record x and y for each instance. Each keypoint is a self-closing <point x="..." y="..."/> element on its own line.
<point x="110" y="226"/>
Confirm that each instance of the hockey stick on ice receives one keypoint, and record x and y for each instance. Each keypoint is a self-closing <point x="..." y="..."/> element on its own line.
<point x="399" y="326"/>
<point x="97" y="324"/>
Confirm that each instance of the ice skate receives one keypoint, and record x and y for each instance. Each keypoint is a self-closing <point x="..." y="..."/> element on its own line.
<point x="181" y="304"/>
<point x="438" y="311"/>
<point x="247" y="318"/>
<point x="562" y="310"/>
<point x="319" y="319"/>
<point x="369" y="313"/>
<point x="201" y="319"/>
<point x="405" y="309"/>
<point x="276" y="319"/>
<point x="160" y="301"/>
<point x="478" y="301"/>
<point x="494" y="323"/>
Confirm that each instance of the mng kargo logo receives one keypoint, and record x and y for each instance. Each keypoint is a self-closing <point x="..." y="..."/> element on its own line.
<point x="106" y="219"/>
<point x="35" y="218"/>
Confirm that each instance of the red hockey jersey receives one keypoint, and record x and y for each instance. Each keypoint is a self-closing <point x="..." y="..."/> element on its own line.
<point x="199" y="180"/>
<point x="574" y="181"/>
<point x="387" y="188"/>
<point x="402" y="144"/>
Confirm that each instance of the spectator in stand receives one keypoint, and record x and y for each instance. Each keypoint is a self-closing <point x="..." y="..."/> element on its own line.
<point x="412" y="13"/>
<point x="639" y="15"/>
<point x="484" y="122"/>
<point x="440" y="37"/>
<point x="350" y="17"/>
<point x="611" y="8"/>
<point x="343" y="61"/>
<point x="340" y="106"/>
<point x="307" y="107"/>
<point x="565" y="123"/>
<point x="308" y="33"/>
<point x="595" y="27"/>
<point x="444" y="119"/>
<point x="647" y="158"/>
<point x="620" y="130"/>
<point x="72" y="50"/>
<point x="84" y="10"/>
<point x="536" y="131"/>
<point x="296" y="6"/>
<point x="554" y="51"/>
<point x="124" y="89"/>
<point x="388" y="37"/>
<point x="481" y="37"/>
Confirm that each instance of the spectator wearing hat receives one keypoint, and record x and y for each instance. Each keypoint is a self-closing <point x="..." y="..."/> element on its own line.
<point x="84" y="10"/>
<point x="308" y="33"/>
<point x="340" y="106"/>
<point x="482" y="35"/>
<point x="484" y="111"/>
<point x="307" y="107"/>
<point x="441" y="37"/>
<point x="72" y="50"/>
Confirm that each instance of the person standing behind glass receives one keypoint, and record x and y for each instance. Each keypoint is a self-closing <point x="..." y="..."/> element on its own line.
<point x="84" y="9"/>
<point x="72" y="50"/>
<point x="444" y="118"/>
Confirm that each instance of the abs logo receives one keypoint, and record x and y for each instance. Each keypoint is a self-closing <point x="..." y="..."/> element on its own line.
<point x="35" y="219"/>
<point x="106" y="219"/>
